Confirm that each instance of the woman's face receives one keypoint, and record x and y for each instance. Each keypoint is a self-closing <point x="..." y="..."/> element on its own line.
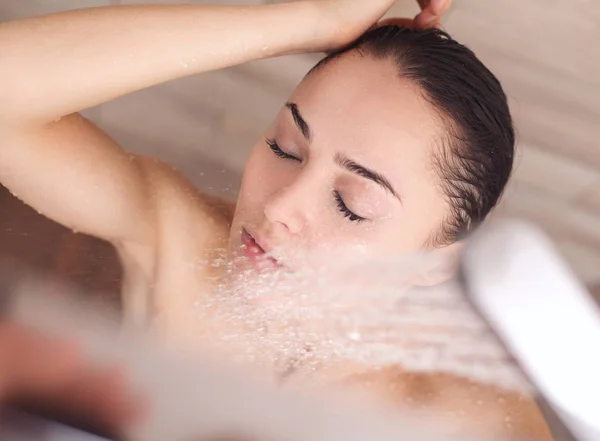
<point x="347" y="164"/>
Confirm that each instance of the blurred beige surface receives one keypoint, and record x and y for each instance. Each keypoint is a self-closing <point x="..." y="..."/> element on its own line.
<point x="544" y="51"/>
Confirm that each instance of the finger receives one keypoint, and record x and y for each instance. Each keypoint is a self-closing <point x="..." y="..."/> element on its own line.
<point x="435" y="7"/>
<point x="439" y="7"/>
<point x="425" y="21"/>
<point x="423" y="3"/>
<point x="431" y="16"/>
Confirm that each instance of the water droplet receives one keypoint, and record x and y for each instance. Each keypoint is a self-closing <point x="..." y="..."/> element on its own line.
<point x="188" y="62"/>
<point x="354" y="336"/>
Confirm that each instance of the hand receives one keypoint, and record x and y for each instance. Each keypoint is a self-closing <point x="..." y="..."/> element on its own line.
<point x="432" y="12"/>
<point x="342" y="21"/>
<point x="48" y="372"/>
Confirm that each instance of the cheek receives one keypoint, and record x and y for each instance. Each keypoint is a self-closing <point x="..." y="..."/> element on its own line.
<point x="262" y="177"/>
<point x="418" y="223"/>
<point x="253" y="185"/>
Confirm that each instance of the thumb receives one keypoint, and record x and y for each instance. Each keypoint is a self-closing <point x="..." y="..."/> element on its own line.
<point x="426" y="20"/>
<point x="436" y="7"/>
<point x="431" y="15"/>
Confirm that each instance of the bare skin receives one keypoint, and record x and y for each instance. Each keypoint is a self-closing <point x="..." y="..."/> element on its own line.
<point x="66" y="168"/>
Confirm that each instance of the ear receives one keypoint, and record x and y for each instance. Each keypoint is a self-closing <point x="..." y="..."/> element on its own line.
<point x="444" y="265"/>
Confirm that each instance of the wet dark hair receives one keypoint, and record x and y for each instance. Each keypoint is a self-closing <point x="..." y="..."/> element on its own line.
<point x="475" y="159"/>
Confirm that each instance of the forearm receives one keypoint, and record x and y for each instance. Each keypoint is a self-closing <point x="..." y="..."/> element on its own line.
<point x="54" y="65"/>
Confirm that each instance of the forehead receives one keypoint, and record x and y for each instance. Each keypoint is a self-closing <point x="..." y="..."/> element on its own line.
<point x="362" y="107"/>
<point x="360" y="98"/>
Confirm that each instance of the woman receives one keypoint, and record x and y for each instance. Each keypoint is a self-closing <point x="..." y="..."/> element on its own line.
<point x="379" y="183"/>
<point x="400" y="141"/>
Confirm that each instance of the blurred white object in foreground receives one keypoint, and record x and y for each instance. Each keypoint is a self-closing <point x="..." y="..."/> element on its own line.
<point x="546" y="319"/>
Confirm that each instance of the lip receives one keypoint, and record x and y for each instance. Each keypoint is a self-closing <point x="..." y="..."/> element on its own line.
<point x="256" y="252"/>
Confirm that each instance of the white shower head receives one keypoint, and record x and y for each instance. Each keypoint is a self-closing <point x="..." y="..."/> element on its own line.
<point x="544" y="316"/>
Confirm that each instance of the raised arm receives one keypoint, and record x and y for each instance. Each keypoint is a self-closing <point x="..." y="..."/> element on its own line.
<point x="73" y="60"/>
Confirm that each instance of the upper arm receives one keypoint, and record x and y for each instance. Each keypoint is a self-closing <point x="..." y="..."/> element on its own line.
<point x="75" y="174"/>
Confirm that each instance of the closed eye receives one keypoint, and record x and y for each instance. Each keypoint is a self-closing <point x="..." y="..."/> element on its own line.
<point x="279" y="152"/>
<point x="341" y="205"/>
<point x="343" y="208"/>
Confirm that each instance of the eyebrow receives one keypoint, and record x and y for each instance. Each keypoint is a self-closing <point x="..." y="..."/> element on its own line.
<point x="347" y="163"/>
<point x="300" y="121"/>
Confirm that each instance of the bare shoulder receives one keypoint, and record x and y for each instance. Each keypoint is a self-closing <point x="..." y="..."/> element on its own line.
<point x="179" y="202"/>
<point x="192" y="231"/>
<point x="470" y="408"/>
<point x="188" y="225"/>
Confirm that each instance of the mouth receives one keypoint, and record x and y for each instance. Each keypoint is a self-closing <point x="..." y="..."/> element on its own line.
<point x="256" y="254"/>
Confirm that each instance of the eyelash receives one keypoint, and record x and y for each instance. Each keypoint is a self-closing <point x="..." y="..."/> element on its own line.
<point x="278" y="152"/>
<point x="341" y="205"/>
<point x="343" y="208"/>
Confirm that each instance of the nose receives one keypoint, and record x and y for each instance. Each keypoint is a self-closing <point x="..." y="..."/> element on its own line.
<point x="288" y="208"/>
